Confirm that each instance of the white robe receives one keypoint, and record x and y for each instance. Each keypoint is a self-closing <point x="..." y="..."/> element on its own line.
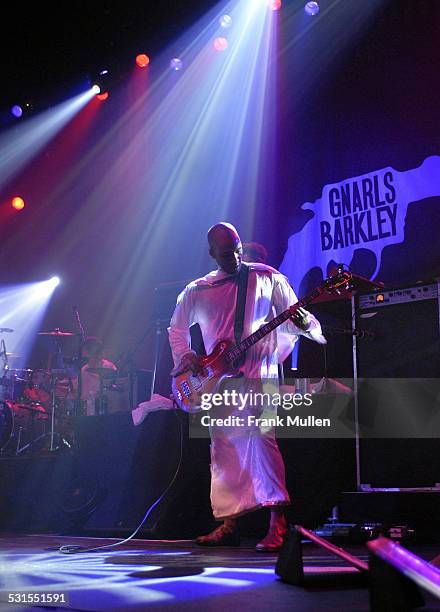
<point x="247" y="470"/>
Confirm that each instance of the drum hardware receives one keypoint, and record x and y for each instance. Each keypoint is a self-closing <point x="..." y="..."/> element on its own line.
<point x="60" y="410"/>
<point x="29" y="397"/>
<point x="36" y="412"/>
<point x="60" y="389"/>
<point x="14" y="382"/>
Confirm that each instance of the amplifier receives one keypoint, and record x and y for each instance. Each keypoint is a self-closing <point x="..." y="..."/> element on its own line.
<point x="403" y="327"/>
<point x="399" y="296"/>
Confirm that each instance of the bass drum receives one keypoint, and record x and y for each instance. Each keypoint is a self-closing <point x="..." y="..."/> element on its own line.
<point x="20" y="426"/>
<point x="6" y="424"/>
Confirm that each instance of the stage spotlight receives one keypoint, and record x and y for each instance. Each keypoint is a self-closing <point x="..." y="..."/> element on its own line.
<point x="44" y="289"/>
<point x="24" y="108"/>
<point x="220" y="43"/>
<point x="176" y="64"/>
<point x="101" y="83"/>
<point x="225" y="21"/>
<point x="17" y="111"/>
<point x="275" y="5"/>
<point x="23" y="308"/>
<point x="311" y="8"/>
<point x="142" y="60"/>
<point x="17" y="203"/>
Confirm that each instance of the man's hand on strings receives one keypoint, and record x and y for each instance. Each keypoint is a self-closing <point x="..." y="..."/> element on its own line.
<point x="189" y="361"/>
<point x="302" y="318"/>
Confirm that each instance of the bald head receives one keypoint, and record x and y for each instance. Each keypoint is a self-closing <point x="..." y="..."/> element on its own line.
<point x="221" y="232"/>
<point x="225" y="247"/>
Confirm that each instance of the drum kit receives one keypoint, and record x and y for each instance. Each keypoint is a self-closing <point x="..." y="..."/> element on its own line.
<point x="36" y="405"/>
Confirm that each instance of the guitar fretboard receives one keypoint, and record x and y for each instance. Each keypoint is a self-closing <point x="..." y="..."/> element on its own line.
<point x="239" y="349"/>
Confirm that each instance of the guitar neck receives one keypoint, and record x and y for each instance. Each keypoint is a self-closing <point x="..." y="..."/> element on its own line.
<point x="239" y="349"/>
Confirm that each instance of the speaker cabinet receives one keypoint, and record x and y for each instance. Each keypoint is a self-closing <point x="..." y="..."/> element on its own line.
<point x="402" y="341"/>
<point x="124" y="467"/>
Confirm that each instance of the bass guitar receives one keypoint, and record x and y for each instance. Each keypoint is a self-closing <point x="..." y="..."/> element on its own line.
<point x="189" y="386"/>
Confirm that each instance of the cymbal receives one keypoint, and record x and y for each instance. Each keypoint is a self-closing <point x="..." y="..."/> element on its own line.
<point x="56" y="332"/>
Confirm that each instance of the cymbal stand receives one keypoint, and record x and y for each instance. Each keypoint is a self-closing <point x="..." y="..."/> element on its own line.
<point x="52" y="418"/>
<point x="81" y="339"/>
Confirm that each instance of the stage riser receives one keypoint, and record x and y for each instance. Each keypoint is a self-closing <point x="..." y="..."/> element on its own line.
<point x="117" y="470"/>
<point x="132" y="466"/>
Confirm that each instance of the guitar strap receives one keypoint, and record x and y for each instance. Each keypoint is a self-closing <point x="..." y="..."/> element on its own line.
<point x="241" y="301"/>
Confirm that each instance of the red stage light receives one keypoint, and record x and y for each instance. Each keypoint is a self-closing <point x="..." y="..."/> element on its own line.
<point x="103" y="96"/>
<point x="142" y="60"/>
<point x="17" y="203"/>
<point x="220" y="43"/>
<point x="275" y="5"/>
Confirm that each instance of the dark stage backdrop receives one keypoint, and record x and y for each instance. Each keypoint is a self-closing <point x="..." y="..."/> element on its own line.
<point x="370" y="120"/>
<point x="371" y="106"/>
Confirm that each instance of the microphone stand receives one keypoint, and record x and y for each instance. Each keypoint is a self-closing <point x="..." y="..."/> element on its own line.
<point x="127" y="360"/>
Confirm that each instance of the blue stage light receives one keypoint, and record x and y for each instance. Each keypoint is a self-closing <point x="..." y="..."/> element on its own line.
<point x="311" y="8"/>
<point x="17" y="111"/>
<point x="225" y="21"/>
<point x="176" y="64"/>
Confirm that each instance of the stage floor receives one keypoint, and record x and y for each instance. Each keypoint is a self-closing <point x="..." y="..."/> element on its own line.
<point x="171" y="575"/>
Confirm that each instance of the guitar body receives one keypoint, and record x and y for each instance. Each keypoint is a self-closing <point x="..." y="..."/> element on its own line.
<point x="188" y="387"/>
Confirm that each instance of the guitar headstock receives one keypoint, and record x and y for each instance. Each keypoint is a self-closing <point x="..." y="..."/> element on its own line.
<point x="337" y="282"/>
